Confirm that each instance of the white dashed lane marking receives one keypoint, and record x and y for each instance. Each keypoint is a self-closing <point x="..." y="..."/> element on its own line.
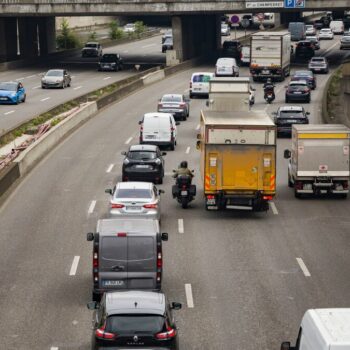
<point x="45" y="99"/>
<point x="77" y="88"/>
<point x="303" y="267"/>
<point x="189" y="296"/>
<point x="74" y="267"/>
<point x="128" y="140"/>
<point x="109" y="169"/>
<point x="106" y="78"/>
<point x="36" y="87"/>
<point x="188" y="150"/>
<point x="181" y="226"/>
<point x="9" y="112"/>
<point x="92" y="207"/>
<point x="273" y="208"/>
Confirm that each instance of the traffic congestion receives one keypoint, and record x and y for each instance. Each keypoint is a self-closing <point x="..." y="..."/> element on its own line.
<point x="206" y="210"/>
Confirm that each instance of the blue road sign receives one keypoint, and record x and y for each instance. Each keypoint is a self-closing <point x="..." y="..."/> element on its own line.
<point x="292" y="4"/>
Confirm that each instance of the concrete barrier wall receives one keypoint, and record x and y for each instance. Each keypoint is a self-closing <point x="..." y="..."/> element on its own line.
<point x="153" y="77"/>
<point x="8" y="176"/>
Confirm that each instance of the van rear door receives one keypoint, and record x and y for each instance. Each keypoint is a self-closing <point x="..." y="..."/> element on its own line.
<point x="151" y="128"/>
<point x="142" y="262"/>
<point x="113" y="267"/>
<point x="164" y="131"/>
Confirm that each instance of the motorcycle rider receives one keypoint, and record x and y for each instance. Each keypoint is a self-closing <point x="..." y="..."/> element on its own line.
<point x="183" y="170"/>
<point x="269" y="87"/>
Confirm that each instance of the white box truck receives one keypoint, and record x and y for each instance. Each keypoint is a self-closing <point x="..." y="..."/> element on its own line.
<point x="323" y="329"/>
<point x="270" y="55"/>
<point x="319" y="159"/>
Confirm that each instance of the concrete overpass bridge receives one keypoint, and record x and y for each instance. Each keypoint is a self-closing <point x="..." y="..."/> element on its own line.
<point x="27" y="27"/>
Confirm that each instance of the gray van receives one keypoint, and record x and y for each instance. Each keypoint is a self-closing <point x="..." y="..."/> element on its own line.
<point x="297" y="31"/>
<point x="127" y="254"/>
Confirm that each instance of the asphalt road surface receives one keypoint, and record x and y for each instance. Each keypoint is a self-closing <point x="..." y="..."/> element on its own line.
<point x="251" y="275"/>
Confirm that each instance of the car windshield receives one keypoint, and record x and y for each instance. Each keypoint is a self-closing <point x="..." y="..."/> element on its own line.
<point x="168" y="98"/>
<point x="201" y="78"/>
<point x="291" y="114"/>
<point x="302" y="74"/>
<point x="133" y="324"/>
<point x="168" y="41"/>
<point x="54" y="73"/>
<point x="109" y="58"/>
<point x="91" y="45"/>
<point x="133" y="193"/>
<point x="8" y="86"/>
<point x="142" y="155"/>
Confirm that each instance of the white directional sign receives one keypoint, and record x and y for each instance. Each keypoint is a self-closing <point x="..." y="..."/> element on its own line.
<point x="263" y="4"/>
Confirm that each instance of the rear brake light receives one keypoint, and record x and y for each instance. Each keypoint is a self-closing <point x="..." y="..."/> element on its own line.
<point x="150" y="206"/>
<point x="169" y="334"/>
<point x="95" y="260"/>
<point x="160" y="104"/>
<point x="100" y="333"/>
<point x="345" y="185"/>
<point x="210" y="196"/>
<point x="159" y="260"/>
<point x="121" y="234"/>
<point x="183" y="104"/>
<point x="267" y="198"/>
<point x="117" y="206"/>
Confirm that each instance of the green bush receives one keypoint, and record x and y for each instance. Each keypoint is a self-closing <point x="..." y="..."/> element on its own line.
<point x="92" y="36"/>
<point x="139" y="28"/>
<point x="67" y="39"/>
<point x="115" y="32"/>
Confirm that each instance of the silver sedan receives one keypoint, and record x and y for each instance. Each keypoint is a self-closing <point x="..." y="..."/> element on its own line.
<point x="135" y="199"/>
<point x="58" y="78"/>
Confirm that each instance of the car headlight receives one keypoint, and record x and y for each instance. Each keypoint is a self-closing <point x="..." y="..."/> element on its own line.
<point x="158" y="161"/>
<point x="13" y="94"/>
<point x="113" y="64"/>
<point x="126" y="161"/>
<point x="58" y="81"/>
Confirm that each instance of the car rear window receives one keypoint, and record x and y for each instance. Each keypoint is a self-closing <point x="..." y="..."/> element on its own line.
<point x="133" y="324"/>
<point x="304" y="44"/>
<point x="168" y="98"/>
<point x="303" y="74"/>
<point x="91" y="45"/>
<point x="142" y="155"/>
<point x="317" y="60"/>
<point x="109" y="58"/>
<point x="201" y="78"/>
<point x="141" y="248"/>
<point x="133" y="193"/>
<point x="168" y="41"/>
<point x="291" y="114"/>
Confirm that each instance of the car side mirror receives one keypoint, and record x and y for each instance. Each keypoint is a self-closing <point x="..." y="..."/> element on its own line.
<point x="165" y="236"/>
<point x="92" y="305"/>
<point x="176" y="306"/>
<point x="174" y="171"/>
<point x="198" y="145"/>
<point x="89" y="236"/>
<point x="199" y="136"/>
<point x="285" y="345"/>
<point x="207" y="103"/>
<point x="163" y="153"/>
<point x="140" y="122"/>
<point x="274" y="113"/>
<point x="123" y="153"/>
<point x="307" y="113"/>
<point x="287" y="154"/>
<point x="109" y="191"/>
<point x="285" y="86"/>
<point x="177" y="123"/>
<point x="161" y="191"/>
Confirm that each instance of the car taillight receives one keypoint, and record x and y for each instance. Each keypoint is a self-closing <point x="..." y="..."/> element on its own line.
<point x="169" y="334"/>
<point x="117" y="206"/>
<point x="95" y="260"/>
<point x="102" y="334"/>
<point x="190" y="84"/>
<point x="150" y="206"/>
<point x="159" y="259"/>
<point x="345" y="185"/>
<point x="172" y="129"/>
<point x="183" y="104"/>
<point x="267" y="198"/>
<point x="183" y="187"/>
<point x="160" y="105"/>
<point x="210" y="196"/>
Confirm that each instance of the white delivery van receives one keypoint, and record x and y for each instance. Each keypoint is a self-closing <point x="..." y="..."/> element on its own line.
<point x="337" y="27"/>
<point x="158" y="129"/>
<point x="245" y="58"/>
<point x="199" y="84"/>
<point x="323" y="329"/>
<point x="226" y="67"/>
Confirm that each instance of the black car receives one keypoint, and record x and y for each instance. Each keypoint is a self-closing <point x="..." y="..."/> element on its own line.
<point x="304" y="50"/>
<point x="167" y="44"/>
<point x="134" y="320"/>
<point x="143" y="163"/>
<point x="232" y="48"/>
<point x="110" y="61"/>
<point x="306" y="75"/>
<point x="298" y="91"/>
<point x="286" y="116"/>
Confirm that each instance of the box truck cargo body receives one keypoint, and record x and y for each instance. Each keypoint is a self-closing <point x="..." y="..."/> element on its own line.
<point x="270" y="55"/>
<point x="319" y="159"/>
<point x="238" y="159"/>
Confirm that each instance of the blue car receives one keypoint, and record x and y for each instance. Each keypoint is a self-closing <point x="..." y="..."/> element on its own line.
<point x="12" y="92"/>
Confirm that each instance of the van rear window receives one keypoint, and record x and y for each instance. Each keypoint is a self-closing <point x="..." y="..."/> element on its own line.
<point x="201" y="78"/>
<point x="140" y="248"/>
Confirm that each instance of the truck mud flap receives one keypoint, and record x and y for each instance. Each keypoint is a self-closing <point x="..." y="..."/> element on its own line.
<point x="193" y="190"/>
<point x="175" y="191"/>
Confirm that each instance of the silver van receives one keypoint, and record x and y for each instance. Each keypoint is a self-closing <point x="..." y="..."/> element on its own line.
<point x="127" y="254"/>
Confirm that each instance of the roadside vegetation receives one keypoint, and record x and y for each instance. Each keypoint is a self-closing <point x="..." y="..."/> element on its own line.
<point x="67" y="39"/>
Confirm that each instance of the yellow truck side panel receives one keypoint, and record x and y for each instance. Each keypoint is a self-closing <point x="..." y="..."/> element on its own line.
<point x="239" y="168"/>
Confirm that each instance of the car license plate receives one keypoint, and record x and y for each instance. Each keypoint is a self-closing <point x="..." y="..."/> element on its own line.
<point x="142" y="166"/>
<point x="150" y="136"/>
<point x="3" y="98"/>
<point x="168" y="106"/>
<point x="211" y="201"/>
<point x="113" y="283"/>
<point x="133" y="208"/>
<point x="184" y="193"/>
<point x="196" y="89"/>
<point x="297" y="93"/>
<point x="265" y="72"/>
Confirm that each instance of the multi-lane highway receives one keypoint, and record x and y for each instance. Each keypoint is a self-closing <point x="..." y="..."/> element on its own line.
<point x="251" y="275"/>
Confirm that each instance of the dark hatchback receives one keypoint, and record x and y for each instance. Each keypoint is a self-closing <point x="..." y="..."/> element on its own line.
<point x="143" y="163"/>
<point x="232" y="48"/>
<point x="168" y="44"/>
<point x="306" y="75"/>
<point x="110" y="61"/>
<point x="134" y="320"/>
<point x="304" y="50"/>
<point x="298" y="91"/>
<point x="286" y="116"/>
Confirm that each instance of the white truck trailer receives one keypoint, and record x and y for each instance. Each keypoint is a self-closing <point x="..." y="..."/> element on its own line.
<point x="270" y="55"/>
<point x="319" y="159"/>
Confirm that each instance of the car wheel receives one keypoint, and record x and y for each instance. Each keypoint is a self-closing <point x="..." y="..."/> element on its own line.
<point x="172" y="146"/>
<point x="296" y="194"/>
<point x="17" y="101"/>
<point x="309" y="100"/>
<point x="160" y="181"/>
<point x="96" y="297"/>
<point x="287" y="100"/>
<point x="69" y="84"/>
<point x="191" y="95"/>
<point x="24" y="98"/>
<point x="290" y="183"/>
<point x="43" y="87"/>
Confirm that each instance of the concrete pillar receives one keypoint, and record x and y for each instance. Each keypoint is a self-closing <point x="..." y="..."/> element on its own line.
<point x="8" y="39"/>
<point x="196" y="35"/>
<point x="277" y="19"/>
<point x="28" y="37"/>
<point x="47" y="35"/>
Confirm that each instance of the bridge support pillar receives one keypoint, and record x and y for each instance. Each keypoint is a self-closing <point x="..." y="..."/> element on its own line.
<point x="195" y="35"/>
<point x="8" y="39"/>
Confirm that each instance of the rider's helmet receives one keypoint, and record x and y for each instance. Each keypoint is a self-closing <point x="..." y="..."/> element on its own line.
<point x="183" y="164"/>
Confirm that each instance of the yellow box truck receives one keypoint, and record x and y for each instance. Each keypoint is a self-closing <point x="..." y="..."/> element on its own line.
<point x="238" y="159"/>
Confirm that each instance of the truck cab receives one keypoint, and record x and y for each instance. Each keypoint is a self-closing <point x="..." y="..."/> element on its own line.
<point x="323" y="329"/>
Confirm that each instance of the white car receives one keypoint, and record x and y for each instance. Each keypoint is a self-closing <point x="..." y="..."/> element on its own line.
<point x="199" y="84"/>
<point x="310" y="30"/>
<point x="326" y="33"/>
<point x="129" y="28"/>
<point x="225" y="29"/>
<point x="226" y="67"/>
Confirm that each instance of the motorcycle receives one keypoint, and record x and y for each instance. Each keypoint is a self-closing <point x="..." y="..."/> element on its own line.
<point x="183" y="190"/>
<point x="269" y="97"/>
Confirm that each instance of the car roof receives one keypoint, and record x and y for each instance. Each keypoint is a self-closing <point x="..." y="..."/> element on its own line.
<point x="172" y="95"/>
<point x="55" y="69"/>
<point x="157" y="115"/>
<point x="108" y="227"/>
<point x="296" y="82"/>
<point x="135" y="302"/>
<point x="291" y="108"/>
<point x="135" y="185"/>
<point x="303" y="72"/>
<point x="134" y="148"/>
<point x="92" y="42"/>
<point x="202" y="73"/>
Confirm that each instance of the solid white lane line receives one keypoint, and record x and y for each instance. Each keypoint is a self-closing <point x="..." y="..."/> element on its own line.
<point x="180" y="223"/>
<point x="188" y="150"/>
<point x="106" y="78"/>
<point x="31" y="76"/>
<point x="198" y="127"/>
<point x="19" y="79"/>
<point x="77" y="88"/>
<point x="303" y="267"/>
<point x="189" y="296"/>
<point x="36" y="87"/>
<point x="45" y="99"/>
<point x="74" y="267"/>
<point x="149" y="45"/>
<point x="54" y="348"/>
<point x="331" y="47"/>
<point x="128" y="140"/>
<point x="273" y="208"/>
<point x="109" y="169"/>
<point x="9" y="112"/>
<point x="104" y="37"/>
<point x="92" y="207"/>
